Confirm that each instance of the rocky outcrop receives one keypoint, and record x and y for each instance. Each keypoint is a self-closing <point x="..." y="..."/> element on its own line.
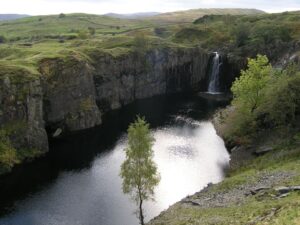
<point x="229" y="68"/>
<point x="123" y="79"/>
<point x="77" y="91"/>
<point x="232" y="66"/>
<point x="69" y="94"/>
<point x="291" y="55"/>
<point x="21" y="112"/>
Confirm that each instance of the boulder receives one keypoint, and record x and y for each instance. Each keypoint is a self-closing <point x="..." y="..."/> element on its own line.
<point x="263" y="150"/>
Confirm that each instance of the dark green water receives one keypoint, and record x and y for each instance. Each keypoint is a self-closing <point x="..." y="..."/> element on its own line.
<point x="77" y="183"/>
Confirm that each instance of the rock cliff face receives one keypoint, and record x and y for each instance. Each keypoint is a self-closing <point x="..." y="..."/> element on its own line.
<point x="229" y="69"/>
<point x="76" y="92"/>
<point x="21" y="113"/>
<point x="72" y="93"/>
<point x="69" y="94"/>
<point x="121" y="80"/>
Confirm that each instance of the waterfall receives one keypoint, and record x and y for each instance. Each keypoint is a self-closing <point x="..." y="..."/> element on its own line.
<point x="214" y="76"/>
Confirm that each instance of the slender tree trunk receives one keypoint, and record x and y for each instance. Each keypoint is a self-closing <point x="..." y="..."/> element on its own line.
<point x="141" y="212"/>
<point x="141" y="216"/>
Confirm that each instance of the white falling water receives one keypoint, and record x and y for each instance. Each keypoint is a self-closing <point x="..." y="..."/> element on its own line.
<point x="214" y="79"/>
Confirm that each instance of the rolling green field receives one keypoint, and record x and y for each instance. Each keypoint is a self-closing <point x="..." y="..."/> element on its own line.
<point x="24" y="42"/>
<point x="189" y="16"/>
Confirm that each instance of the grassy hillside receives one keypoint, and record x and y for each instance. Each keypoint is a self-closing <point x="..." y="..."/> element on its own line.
<point x="12" y="16"/>
<point x="247" y="33"/>
<point x="70" y="25"/>
<point x="193" y="14"/>
<point x="40" y="27"/>
<point x="24" y="42"/>
<point x="28" y="40"/>
<point x="141" y="15"/>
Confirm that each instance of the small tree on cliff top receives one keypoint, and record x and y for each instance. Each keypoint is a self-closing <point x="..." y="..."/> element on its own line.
<point x="138" y="171"/>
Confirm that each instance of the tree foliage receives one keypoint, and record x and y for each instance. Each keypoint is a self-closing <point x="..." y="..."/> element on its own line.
<point x="248" y="88"/>
<point x="138" y="171"/>
<point x="263" y="98"/>
<point x="241" y="32"/>
<point x="269" y="33"/>
<point x="281" y="104"/>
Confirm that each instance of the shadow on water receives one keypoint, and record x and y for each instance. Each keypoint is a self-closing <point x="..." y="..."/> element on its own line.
<point x="77" y="151"/>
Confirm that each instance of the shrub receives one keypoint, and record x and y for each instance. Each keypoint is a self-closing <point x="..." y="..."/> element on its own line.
<point x="270" y="33"/>
<point x="62" y="15"/>
<point x="190" y="34"/>
<point x="140" y="41"/>
<point x="208" y="19"/>
<point x="2" y="39"/>
<point x="241" y="34"/>
<point x="61" y="40"/>
<point x="281" y="105"/>
<point x="92" y="30"/>
<point x="8" y="156"/>
<point x="160" y="31"/>
<point x="140" y="47"/>
<point x="82" y="35"/>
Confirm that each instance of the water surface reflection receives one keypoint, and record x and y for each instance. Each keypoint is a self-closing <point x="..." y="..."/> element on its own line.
<point x="79" y="183"/>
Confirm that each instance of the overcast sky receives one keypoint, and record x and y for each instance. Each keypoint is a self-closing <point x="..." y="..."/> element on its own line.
<point x="41" y="7"/>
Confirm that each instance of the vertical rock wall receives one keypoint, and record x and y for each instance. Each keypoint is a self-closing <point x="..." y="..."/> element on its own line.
<point x="123" y="79"/>
<point x="71" y="93"/>
<point x="21" y="112"/>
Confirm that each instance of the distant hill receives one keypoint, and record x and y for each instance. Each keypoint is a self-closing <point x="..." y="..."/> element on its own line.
<point x="132" y="15"/>
<point x="193" y="14"/>
<point x="12" y="16"/>
<point x="68" y="26"/>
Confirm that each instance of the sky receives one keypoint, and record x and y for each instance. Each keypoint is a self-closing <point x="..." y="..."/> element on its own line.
<point x="43" y="7"/>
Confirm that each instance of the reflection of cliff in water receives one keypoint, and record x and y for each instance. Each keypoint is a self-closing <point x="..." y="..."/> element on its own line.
<point x="78" y="181"/>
